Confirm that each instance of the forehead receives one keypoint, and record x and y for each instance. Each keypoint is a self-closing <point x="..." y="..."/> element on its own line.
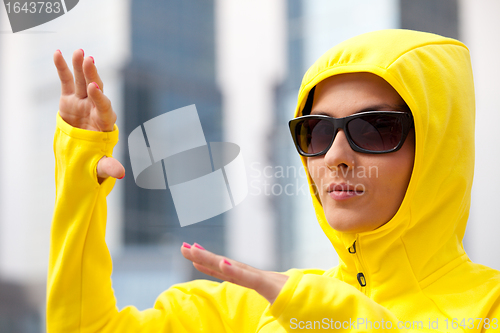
<point x="345" y="94"/>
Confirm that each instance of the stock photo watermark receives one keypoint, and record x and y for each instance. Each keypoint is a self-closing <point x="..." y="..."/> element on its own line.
<point x="365" y="324"/>
<point x="292" y="181"/>
<point x="205" y="179"/>
<point x="25" y="15"/>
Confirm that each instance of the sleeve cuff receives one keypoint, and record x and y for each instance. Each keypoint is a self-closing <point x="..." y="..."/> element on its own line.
<point x="82" y="134"/>
<point x="284" y="297"/>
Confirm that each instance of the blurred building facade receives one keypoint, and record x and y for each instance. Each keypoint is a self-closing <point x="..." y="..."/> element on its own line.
<point x="241" y="63"/>
<point x="29" y="99"/>
<point x="479" y="27"/>
<point x="172" y="65"/>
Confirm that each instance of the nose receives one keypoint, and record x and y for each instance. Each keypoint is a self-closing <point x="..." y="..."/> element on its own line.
<point x="340" y="154"/>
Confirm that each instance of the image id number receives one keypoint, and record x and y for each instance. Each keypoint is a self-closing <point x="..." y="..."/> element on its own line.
<point x="478" y="323"/>
<point x="33" y="7"/>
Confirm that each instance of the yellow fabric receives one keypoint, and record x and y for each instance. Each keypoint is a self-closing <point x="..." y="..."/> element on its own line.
<point x="415" y="266"/>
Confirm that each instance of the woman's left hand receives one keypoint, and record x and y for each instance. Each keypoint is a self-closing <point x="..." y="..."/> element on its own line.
<point x="268" y="284"/>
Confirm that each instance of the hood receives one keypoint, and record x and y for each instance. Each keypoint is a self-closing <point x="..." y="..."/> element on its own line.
<point x="433" y="75"/>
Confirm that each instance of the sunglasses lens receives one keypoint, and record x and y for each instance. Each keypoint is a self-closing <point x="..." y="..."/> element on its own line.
<point x="376" y="132"/>
<point x="314" y="135"/>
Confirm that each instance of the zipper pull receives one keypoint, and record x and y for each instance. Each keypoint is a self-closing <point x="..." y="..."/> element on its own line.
<point x="361" y="279"/>
<point x="353" y="248"/>
<point x="360" y="276"/>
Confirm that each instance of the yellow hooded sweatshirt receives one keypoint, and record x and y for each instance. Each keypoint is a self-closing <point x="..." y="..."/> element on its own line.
<point x="417" y="275"/>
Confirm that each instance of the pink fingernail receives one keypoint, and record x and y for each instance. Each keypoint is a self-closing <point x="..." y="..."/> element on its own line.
<point x="59" y="51"/>
<point x="83" y="52"/>
<point x="198" y="246"/>
<point x="186" y="245"/>
<point x="227" y="262"/>
<point x="122" y="176"/>
<point x="92" y="59"/>
<point x="97" y="86"/>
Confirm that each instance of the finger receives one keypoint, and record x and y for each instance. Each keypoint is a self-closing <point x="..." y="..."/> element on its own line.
<point x="234" y="274"/>
<point x="90" y="72"/>
<point x="267" y="284"/>
<point x="242" y="276"/>
<point x="110" y="167"/>
<point x="199" y="255"/>
<point x="186" y="252"/>
<point x="80" y="83"/>
<point x="205" y="258"/>
<point x="107" y="116"/>
<point x="219" y="274"/>
<point x="65" y="76"/>
<point x="211" y="272"/>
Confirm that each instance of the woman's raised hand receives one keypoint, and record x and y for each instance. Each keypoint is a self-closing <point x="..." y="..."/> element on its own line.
<point x="84" y="105"/>
<point x="268" y="284"/>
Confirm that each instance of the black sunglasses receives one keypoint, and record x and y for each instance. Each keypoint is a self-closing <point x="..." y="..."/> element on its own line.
<point x="372" y="132"/>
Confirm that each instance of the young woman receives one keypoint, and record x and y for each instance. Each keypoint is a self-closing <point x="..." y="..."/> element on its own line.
<point x="385" y="128"/>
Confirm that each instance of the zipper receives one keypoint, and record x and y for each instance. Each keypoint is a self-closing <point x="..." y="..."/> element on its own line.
<point x="360" y="276"/>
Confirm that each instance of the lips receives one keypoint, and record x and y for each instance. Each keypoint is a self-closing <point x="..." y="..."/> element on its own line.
<point x="341" y="191"/>
<point x="343" y="187"/>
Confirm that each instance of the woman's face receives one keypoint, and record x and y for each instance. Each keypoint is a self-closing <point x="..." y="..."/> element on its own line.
<point x="380" y="180"/>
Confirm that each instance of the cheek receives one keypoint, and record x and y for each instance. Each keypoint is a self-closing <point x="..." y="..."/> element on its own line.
<point x="317" y="172"/>
<point x="395" y="173"/>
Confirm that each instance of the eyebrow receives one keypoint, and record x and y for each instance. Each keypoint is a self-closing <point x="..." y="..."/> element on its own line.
<point x="377" y="107"/>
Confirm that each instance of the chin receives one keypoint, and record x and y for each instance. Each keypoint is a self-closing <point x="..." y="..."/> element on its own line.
<point x="343" y="224"/>
<point x="347" y="223"/>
